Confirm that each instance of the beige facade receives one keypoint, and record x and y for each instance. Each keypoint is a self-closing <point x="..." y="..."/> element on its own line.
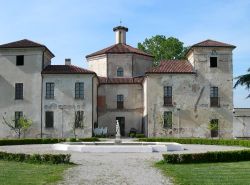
<point x="64" y="105"/>
<point x="29" y="74"/>
<point x="122" y="85"/>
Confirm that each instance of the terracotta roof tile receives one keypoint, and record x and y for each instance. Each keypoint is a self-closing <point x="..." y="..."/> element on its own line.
<point x="173" y="66"/>
<point x="132" y="80"/>
<point x="25" y="43"/>
<point x="119" y="48"/>
<point x="65" y="69"/>
<point x="212" y="43"/>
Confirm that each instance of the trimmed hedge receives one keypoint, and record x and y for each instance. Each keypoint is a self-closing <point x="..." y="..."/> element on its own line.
<point x="42" y="141"/>
<point x="228" y="142"/>
<point x="91" y="139"/>
<point x="36" y="158"/>
<point x="209" y="157"/>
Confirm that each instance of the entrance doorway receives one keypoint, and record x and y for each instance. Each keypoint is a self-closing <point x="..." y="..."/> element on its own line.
<point x="121" y="121"/>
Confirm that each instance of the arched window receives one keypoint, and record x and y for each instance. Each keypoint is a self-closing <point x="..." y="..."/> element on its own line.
<point x="120" y="71"/>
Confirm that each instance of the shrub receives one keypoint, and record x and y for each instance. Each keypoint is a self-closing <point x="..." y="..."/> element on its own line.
<point x="225" y="156"/>
<point x="36" y="158"/>
<point x="91" y="139"/>
<point x="228" y="142"/>
<point x="140" y="136"/>
<point x="42" y="141"/>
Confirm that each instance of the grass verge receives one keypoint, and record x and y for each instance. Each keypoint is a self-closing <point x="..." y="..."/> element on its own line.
<point x="13" y="173"/>
<point x="233" y="173"/>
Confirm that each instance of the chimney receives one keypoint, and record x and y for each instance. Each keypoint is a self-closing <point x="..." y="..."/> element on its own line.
<point x="120" y="34"/>
<point x="67" y="61"/>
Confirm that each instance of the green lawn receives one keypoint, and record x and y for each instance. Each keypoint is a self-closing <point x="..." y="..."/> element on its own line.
<point x="208" y="173"/>
<point x="24" y="173"/>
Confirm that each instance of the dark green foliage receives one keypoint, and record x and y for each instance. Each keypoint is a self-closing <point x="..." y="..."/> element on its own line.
<point x="243" y="80"/>
<point x="36" y="158"/>
<point x="163" y="48"/>
<point x="42" y="141"/>
<point x="228" y="142"/>
<point x="209" y="157"/>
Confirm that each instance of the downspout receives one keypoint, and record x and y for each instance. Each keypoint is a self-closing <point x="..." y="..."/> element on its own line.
<point x="92" y="105"/>
<point x="41" y="134"/>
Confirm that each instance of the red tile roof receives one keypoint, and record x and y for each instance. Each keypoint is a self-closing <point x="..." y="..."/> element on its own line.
<point x="25" y="43"/>
<point x="173" y="66"/>
<point x="213" y="43"/>
<point x="132" y="80"/>
<point x="65" y="69"/>
<point x="119" y="48"/>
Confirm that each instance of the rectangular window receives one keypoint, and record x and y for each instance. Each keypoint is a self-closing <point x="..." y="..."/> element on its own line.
<point x="120" y="100"/>
<point x="214" y="97"/>
<point x="79" y="119"/>
<point x="19" y="60"/>
<point x="18" y="115"/>
<point x="19" y="91"/>
<point x="213" y="61"/>
<point x="79" y="90"/>
<point x="168" y="95"/>
<point x="214" y="127"/>
<point x="50" y="90"/>
<point x="49" y="119"/>
<point x="167" y="119"/>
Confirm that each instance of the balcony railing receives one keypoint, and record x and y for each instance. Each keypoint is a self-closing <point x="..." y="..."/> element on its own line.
<point x="120" y="105"/>
<point x="214" y="102"/>
<point x="168" y="101"/>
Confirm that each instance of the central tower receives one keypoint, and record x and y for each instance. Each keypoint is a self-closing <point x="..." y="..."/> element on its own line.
<point x="120" y="34"/>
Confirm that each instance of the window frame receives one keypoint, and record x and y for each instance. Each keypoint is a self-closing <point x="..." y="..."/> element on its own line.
<point x="78" y="118"/>
<point x="120" y="72"/>
<point x="50" y="90"/>
<point x="215" y="132"/>
<point x="168" y="95"/>
<point x="49" y="123"/>
<point x="79" y="90"/>
<point x="214" y="96"/>
<point x="19" y="60"/>
<point x="167" y="124"/>
<point x="120" y="101"/>
<point x="18" y="115"/>
<point x="213" y="64"/>
<point x="19" y="91"/>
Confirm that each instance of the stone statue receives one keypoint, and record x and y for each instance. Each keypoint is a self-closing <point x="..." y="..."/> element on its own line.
<point x="117" y="128"/>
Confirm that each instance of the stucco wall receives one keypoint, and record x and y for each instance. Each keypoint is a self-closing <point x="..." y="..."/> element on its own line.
<point x="192" y="96"/>
<point x="119" y="60"/>
<point x="64" y="105"/>
<point x="98" y="64"/>
<point x="141" y="64"/>
<point x="30" y="75"/>
<point x="133" y="106"/>
<point x="241" y="125"/>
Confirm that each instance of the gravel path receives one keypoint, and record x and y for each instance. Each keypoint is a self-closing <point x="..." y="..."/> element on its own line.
<point x="114" y="168"/>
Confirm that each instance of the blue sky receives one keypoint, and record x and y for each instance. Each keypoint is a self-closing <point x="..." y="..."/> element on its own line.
<point x="75" y="28"/>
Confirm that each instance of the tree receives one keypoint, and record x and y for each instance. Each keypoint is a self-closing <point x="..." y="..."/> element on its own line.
<point x="19" y="126"/>
<point x="243" y="80"/>
<point x="163" y="48"/>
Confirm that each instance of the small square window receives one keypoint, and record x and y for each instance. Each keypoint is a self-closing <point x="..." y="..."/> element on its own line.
<point x="213" y="61"/>
<point x="20" y="60"/>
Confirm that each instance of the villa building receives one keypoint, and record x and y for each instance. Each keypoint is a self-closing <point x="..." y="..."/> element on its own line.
<point x="178" y="98"/>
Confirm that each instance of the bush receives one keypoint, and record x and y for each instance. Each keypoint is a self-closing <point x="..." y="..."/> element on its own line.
<point x="228" y="142"/>
<point x="36" y="158"/>
<point x="91" y="139"/>
<point x="226" y="156"/>
<point x="140" y="136"/>
<point x="42" y="141"/>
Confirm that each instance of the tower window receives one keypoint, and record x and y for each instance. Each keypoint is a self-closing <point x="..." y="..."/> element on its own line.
<point x="79" y="90"/>
<point x="49" y="119"/>
<point x="19" y="91"/>
<point x="213" y="61"/>
<point x="120" y="71"/>
<point x="19" y="60"/>
<point x="167" y="123"/>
